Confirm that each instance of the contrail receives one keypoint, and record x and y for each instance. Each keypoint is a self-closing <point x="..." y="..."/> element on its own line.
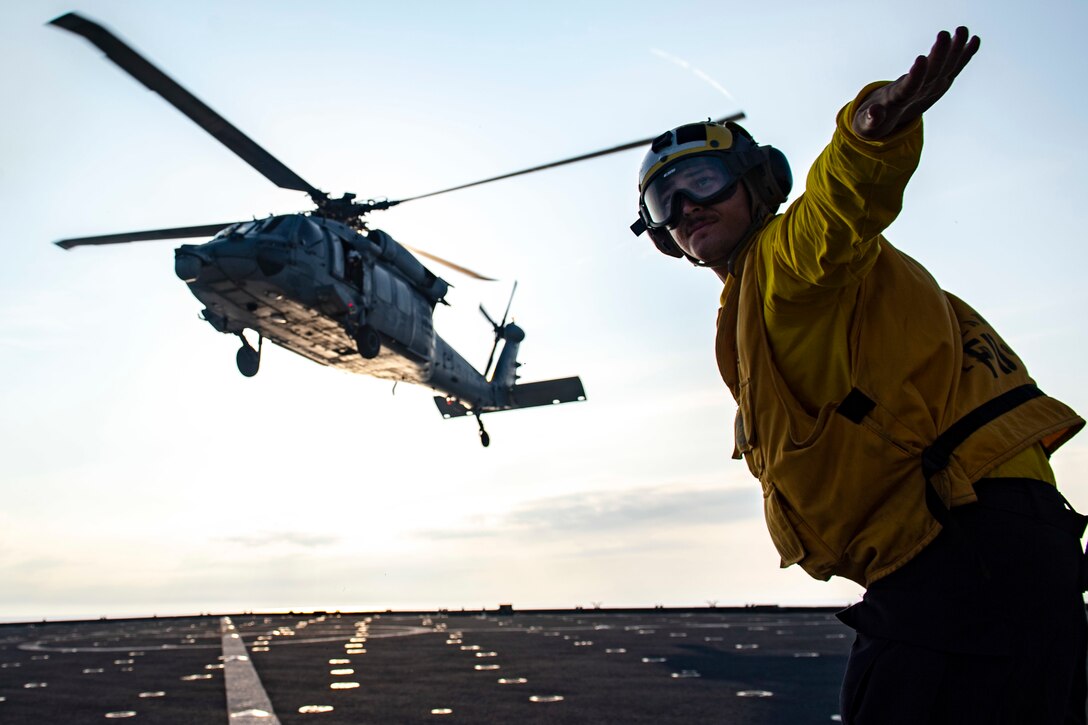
<point x="699" y="73"/>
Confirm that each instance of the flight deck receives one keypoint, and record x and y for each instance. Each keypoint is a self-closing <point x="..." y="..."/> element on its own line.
<point x="753" y="666"/>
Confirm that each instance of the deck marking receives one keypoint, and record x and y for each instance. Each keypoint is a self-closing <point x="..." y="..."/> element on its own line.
<point x="53" y="646"/>
<point x="247" y="702"/>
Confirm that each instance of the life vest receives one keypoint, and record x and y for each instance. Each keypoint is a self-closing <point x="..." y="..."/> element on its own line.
<point x="844" y="489"/>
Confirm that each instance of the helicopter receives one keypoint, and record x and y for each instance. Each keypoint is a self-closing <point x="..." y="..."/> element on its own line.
<point x="326" y="285"/>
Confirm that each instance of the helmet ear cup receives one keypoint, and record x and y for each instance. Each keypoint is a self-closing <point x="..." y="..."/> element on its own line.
<point x="778" y="183"/>
<point x="781" y="178"/>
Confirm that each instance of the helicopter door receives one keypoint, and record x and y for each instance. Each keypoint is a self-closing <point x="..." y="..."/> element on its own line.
<point x="393" y="312"/>
<point x="415" y="320"/>
<point x="384" y="314"/>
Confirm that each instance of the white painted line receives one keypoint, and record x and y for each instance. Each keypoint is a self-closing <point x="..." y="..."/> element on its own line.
<point x="247" y="702"/>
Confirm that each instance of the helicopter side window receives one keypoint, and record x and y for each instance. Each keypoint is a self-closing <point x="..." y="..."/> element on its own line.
<point x="383" y="285"/>
<point x="404" y="300"/>
<point x="337" y="261"/>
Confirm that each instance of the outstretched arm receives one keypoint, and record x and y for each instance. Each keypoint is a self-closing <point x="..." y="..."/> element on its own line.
<point x="891" y="107"/>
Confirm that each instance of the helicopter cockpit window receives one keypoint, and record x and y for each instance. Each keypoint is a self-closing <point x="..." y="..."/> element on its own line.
<point x="234" y="229"/>
<point x="276" y="223"/>
<point x="309" y="232"/>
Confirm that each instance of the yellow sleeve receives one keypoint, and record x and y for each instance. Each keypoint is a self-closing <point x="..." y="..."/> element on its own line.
<point x="830" y="236"/>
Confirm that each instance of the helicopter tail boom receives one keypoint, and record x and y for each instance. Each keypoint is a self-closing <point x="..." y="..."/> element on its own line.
<point x="528" y="395"/>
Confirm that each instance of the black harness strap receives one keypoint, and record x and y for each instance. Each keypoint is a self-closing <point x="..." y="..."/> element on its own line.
<point x="939" y="452"/>
<point x="936" y="457"/>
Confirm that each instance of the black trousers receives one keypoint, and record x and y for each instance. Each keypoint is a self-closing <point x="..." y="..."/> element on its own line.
<point x="987" y="625"/>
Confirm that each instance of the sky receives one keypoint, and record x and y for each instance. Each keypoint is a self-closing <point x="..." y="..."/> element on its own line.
<point x="141" y="474"/>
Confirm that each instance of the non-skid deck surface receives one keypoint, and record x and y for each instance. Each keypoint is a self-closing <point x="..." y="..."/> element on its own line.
<point x="706" y="666"/>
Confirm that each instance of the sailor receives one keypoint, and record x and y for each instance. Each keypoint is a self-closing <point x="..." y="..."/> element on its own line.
<point x="898" y="439"/>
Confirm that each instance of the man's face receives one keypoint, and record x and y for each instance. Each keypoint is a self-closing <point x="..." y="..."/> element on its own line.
<point x="710" y="232"/>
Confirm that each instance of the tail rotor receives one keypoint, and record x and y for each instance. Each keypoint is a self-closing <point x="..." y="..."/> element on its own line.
<point x="498" y="327"/>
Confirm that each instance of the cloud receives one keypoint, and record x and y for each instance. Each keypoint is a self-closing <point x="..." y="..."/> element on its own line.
<point x="289" y="538"/>
<point x="697" y="72"/>
<point x="33" y="566"/>
<point x="659" y="507"/>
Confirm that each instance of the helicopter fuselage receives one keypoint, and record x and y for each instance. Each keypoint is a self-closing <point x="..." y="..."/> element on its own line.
<point x="310" y="284"/>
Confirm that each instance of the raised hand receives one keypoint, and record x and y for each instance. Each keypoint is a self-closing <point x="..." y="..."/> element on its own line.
<point x="891" y="107"/>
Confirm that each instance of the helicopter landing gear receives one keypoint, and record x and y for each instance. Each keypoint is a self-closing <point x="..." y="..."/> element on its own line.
<point x="368" y="342"/>
<point x="485" y="439"/>
<point x="248" y="359"/>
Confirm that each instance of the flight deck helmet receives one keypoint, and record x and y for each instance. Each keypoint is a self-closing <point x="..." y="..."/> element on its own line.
<point x="705" y="162"/>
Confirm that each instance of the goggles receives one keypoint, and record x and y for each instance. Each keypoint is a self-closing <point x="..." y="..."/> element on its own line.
<point x="704" y="179"/>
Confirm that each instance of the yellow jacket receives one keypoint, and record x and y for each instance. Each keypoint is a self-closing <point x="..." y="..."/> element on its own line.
<point x="825" y="310"/>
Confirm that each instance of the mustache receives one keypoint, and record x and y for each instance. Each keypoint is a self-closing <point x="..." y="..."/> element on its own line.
<point x="694" y="219"/>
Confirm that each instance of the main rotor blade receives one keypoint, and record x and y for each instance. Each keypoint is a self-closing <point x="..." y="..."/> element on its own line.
<point x="142" y="70"/>
<point x="488" y="317"/>
<point x="509" y="302"/>
<point x="574" y="159"/>
<point x="206" y="230"/>
<point x="463" y="270"/>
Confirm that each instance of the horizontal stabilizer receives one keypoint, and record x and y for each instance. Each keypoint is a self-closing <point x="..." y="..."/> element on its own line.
<point x="529" y="395"/>
<point x="450" y="407"/>
<point x="547" y="392"/>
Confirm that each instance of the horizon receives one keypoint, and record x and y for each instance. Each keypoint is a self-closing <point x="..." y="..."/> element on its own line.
<point x="142" y="473"/>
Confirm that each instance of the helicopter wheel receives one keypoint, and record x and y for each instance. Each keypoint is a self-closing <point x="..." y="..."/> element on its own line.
<point x="485" y="439"/>
<point x="248" y="359"/>
<point x="368" y="342"/>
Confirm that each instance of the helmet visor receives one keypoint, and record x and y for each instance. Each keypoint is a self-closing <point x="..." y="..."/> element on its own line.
<point x="703" y="179"/>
